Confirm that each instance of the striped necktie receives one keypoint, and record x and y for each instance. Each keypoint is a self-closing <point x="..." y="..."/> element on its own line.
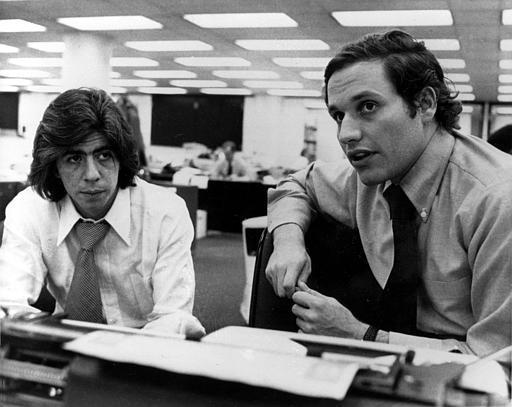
<point x="83" y="302"/>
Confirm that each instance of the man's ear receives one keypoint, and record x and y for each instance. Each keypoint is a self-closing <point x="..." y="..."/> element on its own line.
<point x="426" y="103"/>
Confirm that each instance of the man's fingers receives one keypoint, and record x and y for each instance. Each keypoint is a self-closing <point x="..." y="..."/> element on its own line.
<point x="305" y="288"/>
<point x="302" y="298"/>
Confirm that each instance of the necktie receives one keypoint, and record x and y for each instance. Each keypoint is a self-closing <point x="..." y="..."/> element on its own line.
<point x="84" y="300"/>
<point x="400" y="293"/>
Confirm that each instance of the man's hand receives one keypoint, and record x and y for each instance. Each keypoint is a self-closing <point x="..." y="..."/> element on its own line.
<point x="322" y="315"/>
<point x="289" y="262"/>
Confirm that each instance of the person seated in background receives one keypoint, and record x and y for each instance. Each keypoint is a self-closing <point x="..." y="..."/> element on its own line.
<point x="110" y="247"/>
<point x="502" y="139"/>
<point x="431" y="206"/>
<point x="229" y="164"/>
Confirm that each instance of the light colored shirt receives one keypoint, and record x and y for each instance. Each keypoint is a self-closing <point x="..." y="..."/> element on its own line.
<point x="145" y="263"/>
<point x="461" y="188"/>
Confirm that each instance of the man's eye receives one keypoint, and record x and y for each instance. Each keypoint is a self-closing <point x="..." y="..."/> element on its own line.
<point x="74" y="159"/>
<point x="368" y="107"/>
<point x="104" y="155"/>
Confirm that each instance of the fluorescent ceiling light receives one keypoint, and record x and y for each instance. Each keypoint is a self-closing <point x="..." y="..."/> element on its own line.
<point x="463" y="88"/>
<point x="387" y="18"/>
<point x="132" y="82"/>
<point x="282" y="45"/>
<point x="314" y="104"/>
<point x="442" y="44"/>
<point x="44" y="89"/>
<point x="226" y="91"/>
<point x="466" y="96"/>
<point x="212" y="61"/>
<point x="35" y="62"/>
<point x="117" y="89"/>
<point x="294" y="92"/>
<point x="505" y="89"/>
<point x="241" y="20"/>
<point x="302" y="62"/>
<point x="193" y="83"/>
<point x="107" y="23"/>
<point x="505" y="63"/>
<point x="17" y="25"/>
<point x="15" y="82"/>
<point x="503" y="110"/>
<point x="7" y="49"/>
<point x="115" y="74"/>
<point x="504" y="98"/>
<point x="506" y="17"/>
<point x="48" y="46"/>
<point x="24" y="73"/>
<point x="246" y="74"/>
<point x="165" y="74"/>
<point x="506" y="45"/>
<point x="7" y="88"/>
<point x="315" y="75"/>
<point x="467" y="109"/>
<point x="132" y="61"/>
<point x="457" y="77"/>
<point x="169" y="46"/>
<point x="163" y="90"/>
<point x="452" y="63"/>
<point x="505" y="78"/>
<point x="274" y="84"/>
<point x="52" y="81"/>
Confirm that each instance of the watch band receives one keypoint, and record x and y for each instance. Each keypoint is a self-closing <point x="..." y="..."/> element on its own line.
<point x="370" y="334"/>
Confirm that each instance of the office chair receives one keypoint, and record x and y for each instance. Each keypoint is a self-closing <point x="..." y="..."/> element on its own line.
<point x="337" y="256"/>
<point x="45" y="302"/>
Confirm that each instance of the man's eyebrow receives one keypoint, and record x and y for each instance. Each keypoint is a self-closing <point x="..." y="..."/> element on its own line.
<point x="78" y="151"/>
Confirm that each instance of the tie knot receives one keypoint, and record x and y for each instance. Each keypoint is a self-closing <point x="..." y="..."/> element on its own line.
<point x="90" y="233"/>
<point x="400" y="207"/>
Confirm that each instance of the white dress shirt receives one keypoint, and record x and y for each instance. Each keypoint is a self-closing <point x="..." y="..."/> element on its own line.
<point x="145" y="264"/>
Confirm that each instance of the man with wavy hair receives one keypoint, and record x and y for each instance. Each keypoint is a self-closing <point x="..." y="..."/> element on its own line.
<point x="110" y="247"/>
<point x="431" y="206"/>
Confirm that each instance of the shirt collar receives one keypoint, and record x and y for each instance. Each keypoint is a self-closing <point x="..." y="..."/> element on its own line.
<point x="422" y="181"/>
<point x="118" y="216"/>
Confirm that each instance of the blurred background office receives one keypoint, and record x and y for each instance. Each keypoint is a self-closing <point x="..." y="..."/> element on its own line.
<point x="203" y="81"/>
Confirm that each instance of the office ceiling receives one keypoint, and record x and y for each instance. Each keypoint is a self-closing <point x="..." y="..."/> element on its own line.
<point x="477" y="25"/>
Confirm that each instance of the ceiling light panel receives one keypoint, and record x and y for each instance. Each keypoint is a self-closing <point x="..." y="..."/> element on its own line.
<point x="241" y="20"/>
<point x="7" y="49"/>
<point x="466" y="97"/>
<point x="162" y="90"/>
<point x="132" y="61"/>
<point x="24" y="73"/>
<point x="302" y="62"/>
<point x="234" y="74"/>
<point x="442" y="44"/>
<point x="457" y="77"/>
<point x="8" y="88"/>
<point x="117" y="89"/>
<point x="506" y="17"/>
<point x="49" y="46"/>
<point x="165" y="74"/>
<point x="110" y="23"/>
<point x="504" y="98"/>
<point x="463" y="88"/>
<point x="226" y="91"/>
<point x="452" y="63"/>
<point x="505" y="63"/>
<point x="212" y="61"/>
<point x="52" y="81"/>
<point x="505" y="89"/>
<point x="274" y="84"/>
<point x="132" y="82"/>
<point x="44" y="89"/>
<point x="17" y="25"/>
<point x="314" y="104"/>
<point x="503" y="110"/>
<point x="15" y="82"/>
<point x="294" y="92"/>
<point x="314" y="75"/>
<point x="387" y="18"/>
<point x="282" y="45"/>
<point x="505" y="78"/>
<point x="192" y="83"/>
<point x="36" y="62"/>
<point x="169" y="46"/>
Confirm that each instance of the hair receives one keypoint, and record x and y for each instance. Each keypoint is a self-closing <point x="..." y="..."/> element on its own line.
<point x="410" y="67"/>
<point x="502" y="138"/>
<point x="73" y="116"/>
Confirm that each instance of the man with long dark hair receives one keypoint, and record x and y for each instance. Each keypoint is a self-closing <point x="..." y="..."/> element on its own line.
<point x="110" y="247"/>
<point x="431" y="206"/>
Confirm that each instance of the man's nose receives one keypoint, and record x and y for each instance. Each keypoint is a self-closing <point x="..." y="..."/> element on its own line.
<point x="349" y="131"/>
<point x="92" y="172"/>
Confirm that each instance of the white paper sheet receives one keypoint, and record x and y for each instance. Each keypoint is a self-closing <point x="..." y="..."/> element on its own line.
<point x="298" y="374"/>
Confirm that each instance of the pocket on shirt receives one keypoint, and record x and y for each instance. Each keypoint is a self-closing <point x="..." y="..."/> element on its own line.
<point x="143" y="293"/>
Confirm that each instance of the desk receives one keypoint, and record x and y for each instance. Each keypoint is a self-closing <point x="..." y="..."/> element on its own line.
<point x="228" y="203"/>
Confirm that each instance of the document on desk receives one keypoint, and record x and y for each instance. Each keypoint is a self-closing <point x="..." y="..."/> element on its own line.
<point x="298" y="374"/>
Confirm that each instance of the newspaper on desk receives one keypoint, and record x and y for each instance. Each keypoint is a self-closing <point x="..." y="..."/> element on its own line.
<point x="293" y="373"/>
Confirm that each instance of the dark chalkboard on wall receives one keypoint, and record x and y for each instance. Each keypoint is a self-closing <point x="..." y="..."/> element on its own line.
<point x="209" y="120"/>
<point x="9" y="110"/>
